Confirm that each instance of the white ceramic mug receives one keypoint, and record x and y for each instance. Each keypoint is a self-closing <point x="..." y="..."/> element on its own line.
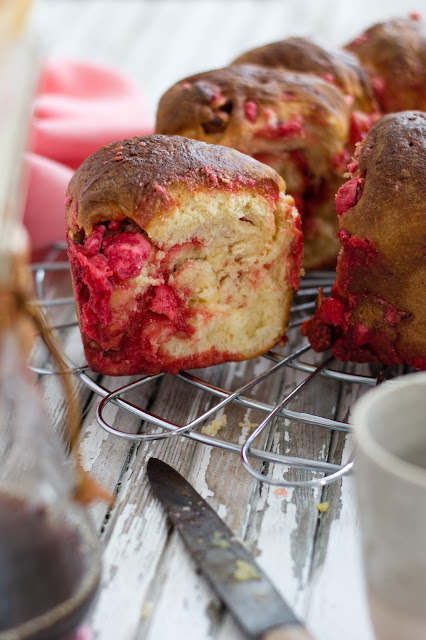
<point x="390" y="470"/>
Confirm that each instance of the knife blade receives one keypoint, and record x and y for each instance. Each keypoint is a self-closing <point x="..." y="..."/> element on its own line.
<point x="240" y="583"/>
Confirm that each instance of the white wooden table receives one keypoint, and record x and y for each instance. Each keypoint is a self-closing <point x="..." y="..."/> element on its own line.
<point x="150" y="586"/>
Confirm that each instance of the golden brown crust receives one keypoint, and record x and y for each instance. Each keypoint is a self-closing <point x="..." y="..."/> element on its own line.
<point x="391" y="211"/>
<point x="334" y="65"/>
<point x="393" y="163"/>
<point x="213" y="104"/>
<point x="394" y="55"/>
<point x="136" y="178"/>
<point x="377" y="310"/>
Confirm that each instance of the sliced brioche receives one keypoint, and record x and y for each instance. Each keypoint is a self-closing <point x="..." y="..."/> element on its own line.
<point x="183" y="255"/>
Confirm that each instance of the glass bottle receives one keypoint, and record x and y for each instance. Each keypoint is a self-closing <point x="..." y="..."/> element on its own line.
<point x="50" y="557"/>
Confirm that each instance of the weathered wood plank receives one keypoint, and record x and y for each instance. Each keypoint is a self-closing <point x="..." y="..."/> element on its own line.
<point x="219" y="477"/>
<point x="336" y="572"/>
<point x="133" y="498"/>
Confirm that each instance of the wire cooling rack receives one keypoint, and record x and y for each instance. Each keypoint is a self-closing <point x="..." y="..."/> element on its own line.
<point x="323" y="472"/>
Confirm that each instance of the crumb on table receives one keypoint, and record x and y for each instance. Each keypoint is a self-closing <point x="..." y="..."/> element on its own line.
<point x="323" y="507"/>
<point x="214" y="426"/>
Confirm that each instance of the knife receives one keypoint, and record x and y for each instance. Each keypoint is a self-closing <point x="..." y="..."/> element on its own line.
<point x="240" y="583"/>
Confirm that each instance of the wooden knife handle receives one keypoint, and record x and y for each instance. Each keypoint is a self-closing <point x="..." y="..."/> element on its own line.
<point x="288" y="632"/>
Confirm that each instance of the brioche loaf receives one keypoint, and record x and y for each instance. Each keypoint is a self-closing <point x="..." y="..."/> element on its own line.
<point x="182" y="254"/>
<point x="377" y="310"/>
<point x="296" y="123"/>
<point x="393" y="53"/>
